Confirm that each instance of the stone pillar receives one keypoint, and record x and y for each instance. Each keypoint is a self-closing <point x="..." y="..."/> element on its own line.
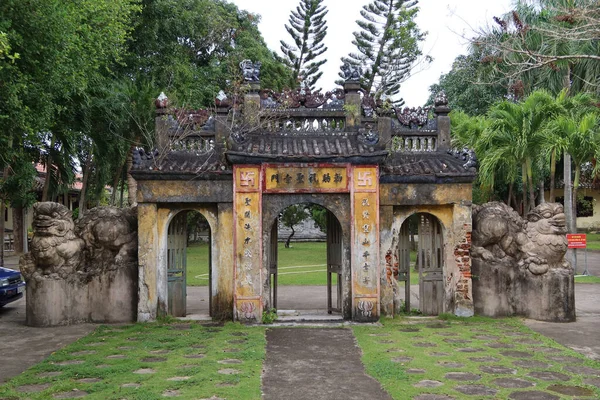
<point x="384" y="127"/>
<point x="352" y="104"/>
<point x="252" y="105"/>
<point x="222" y="287"/>
<point x="365" y="243"/>
<point x="222" y="131"/>
<point x="443" y="123"/>
<point x="147" y="262"/>
<point x="463" y="287"/>
<point x="161" y="126"/>
<point x="247" y="243"/>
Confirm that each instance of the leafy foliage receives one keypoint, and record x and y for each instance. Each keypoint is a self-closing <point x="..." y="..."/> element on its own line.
<point x="387" y="45"/>
<point x="466" y="86"/>
<point x="308" y="29"/>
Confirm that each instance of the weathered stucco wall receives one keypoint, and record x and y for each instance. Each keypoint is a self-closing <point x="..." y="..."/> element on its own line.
<point x="451" y="205"/>
<point x="185" y="191"/>
<point x="147" y="262"/>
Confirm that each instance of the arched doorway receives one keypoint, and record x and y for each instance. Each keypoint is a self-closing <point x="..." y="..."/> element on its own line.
<point x="421" y="252"/>
<point x="189" y="261"/>
<point x="308" y="280"/>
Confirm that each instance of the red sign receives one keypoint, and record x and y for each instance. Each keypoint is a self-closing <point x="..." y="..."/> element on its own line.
<point x="577" y="240"/>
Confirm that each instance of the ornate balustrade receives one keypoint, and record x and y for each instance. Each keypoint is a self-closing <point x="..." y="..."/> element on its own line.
<point x="196" y="143"/>
<point x="305" y="124"/>
<point x="412" y="142"/>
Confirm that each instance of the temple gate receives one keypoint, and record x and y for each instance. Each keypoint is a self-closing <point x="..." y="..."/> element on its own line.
<point x="369" y="165"/>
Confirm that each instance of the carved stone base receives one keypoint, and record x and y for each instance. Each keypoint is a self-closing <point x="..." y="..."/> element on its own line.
<point x="502" y="289"/>
<point x="108" y="298"/>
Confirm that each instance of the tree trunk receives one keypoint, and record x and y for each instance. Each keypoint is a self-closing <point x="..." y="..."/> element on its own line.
<point x="524" y="180"/>
<point x="575" y="189"/>
<point x="515" y="203"/>
<point x="122" y="188"/>
<point x="131" y="183"/>
<point x="116" y="179"/>
<point x="2" y="221"/>
<point x="18" y="227"/>
<point x="287" y="242"/>
<point x="570" y="216"/>
<point x="48" y="170"/>
<point x="510" y="192"/>
<point x="530" y="184"/>
<point x="542" y="189"/>
<point x="552" y="175"/>
<point x="84" y="184"/>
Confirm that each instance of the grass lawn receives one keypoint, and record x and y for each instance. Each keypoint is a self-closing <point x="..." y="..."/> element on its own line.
<point x="587" y="279"/>
<point x="182" y="358"/>
<point x="593" y="241"/>
<point x="403" y="352"/>
<point x="197" y="264"/>
<point x="302" y="264"/>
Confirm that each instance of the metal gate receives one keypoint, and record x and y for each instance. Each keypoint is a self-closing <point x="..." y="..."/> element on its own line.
<point x="273" y="265"/>
<point x="334" y="261"/>
<point x="430" y="265"/>
<point x="404" y="265"/>
<point x="176" y="265"/>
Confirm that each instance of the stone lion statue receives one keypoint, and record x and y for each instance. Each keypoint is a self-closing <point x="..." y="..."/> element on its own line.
<point x="55" y="250"/>
<point x="104" y="239"/>
<point x="536" y="244"/>
<point x="110" y="236"/>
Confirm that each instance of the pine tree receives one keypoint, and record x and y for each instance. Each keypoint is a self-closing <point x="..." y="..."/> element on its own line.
<point x="307" y="27"/>
<point x="387" y="44"/>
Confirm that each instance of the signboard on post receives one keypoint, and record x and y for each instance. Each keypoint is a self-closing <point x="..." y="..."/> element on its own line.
<point x="577" y="240"/>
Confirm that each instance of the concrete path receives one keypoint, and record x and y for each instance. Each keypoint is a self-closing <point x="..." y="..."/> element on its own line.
<point x="583" y="335"/>
<point x="316" y="364"/>
<point x="22" y="346"/>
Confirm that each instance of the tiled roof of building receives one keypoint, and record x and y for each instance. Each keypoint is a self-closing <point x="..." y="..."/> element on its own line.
<point x="427" y="166"/>
<point x="177" y="163"/>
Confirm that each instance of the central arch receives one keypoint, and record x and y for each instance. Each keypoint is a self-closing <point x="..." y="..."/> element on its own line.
<point x="339" y="236"/>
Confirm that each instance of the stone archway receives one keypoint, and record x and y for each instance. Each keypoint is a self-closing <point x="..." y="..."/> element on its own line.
<point x="338" y="247"/>
<point x="429" y="261"/>
<point x="171" y="277"/>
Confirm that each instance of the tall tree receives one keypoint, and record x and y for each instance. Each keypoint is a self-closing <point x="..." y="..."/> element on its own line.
<point x="308" y="28"/>
<point x="547" y="44"/>
<point x="387" y="45"/>
<point x="292" y="216"/>
<point x="467" y="87"/>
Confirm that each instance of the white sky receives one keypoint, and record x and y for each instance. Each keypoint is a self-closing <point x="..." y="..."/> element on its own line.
<point x="445" y="20"/>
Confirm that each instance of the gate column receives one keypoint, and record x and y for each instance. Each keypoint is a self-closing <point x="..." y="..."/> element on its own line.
<point x="247" y="243"/>
<point x="365" y="243"/>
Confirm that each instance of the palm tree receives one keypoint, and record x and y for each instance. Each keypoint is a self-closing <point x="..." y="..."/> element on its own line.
<point x="513" y="141"/>
<point x="576" y="131"/>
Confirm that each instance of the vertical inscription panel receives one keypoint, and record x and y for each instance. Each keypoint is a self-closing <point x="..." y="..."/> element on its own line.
<point x="247" y="243"/>
<point x="365" y="243"/>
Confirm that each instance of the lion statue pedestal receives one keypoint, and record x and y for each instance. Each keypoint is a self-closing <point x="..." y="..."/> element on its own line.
<point x="81" y="273"/>
<point x="519" y="266"/>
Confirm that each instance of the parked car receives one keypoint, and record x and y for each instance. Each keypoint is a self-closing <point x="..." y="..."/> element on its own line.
<point x="12" y="286"/>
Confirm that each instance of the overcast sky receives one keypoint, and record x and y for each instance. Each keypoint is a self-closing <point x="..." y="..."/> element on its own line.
<point x="445" y="20"/>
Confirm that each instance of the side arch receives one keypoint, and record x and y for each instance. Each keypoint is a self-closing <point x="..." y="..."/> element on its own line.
<point x="165" y="217"/>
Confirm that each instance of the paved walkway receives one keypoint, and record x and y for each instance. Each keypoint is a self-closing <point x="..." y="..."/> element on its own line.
<point x="316" y="364"/>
